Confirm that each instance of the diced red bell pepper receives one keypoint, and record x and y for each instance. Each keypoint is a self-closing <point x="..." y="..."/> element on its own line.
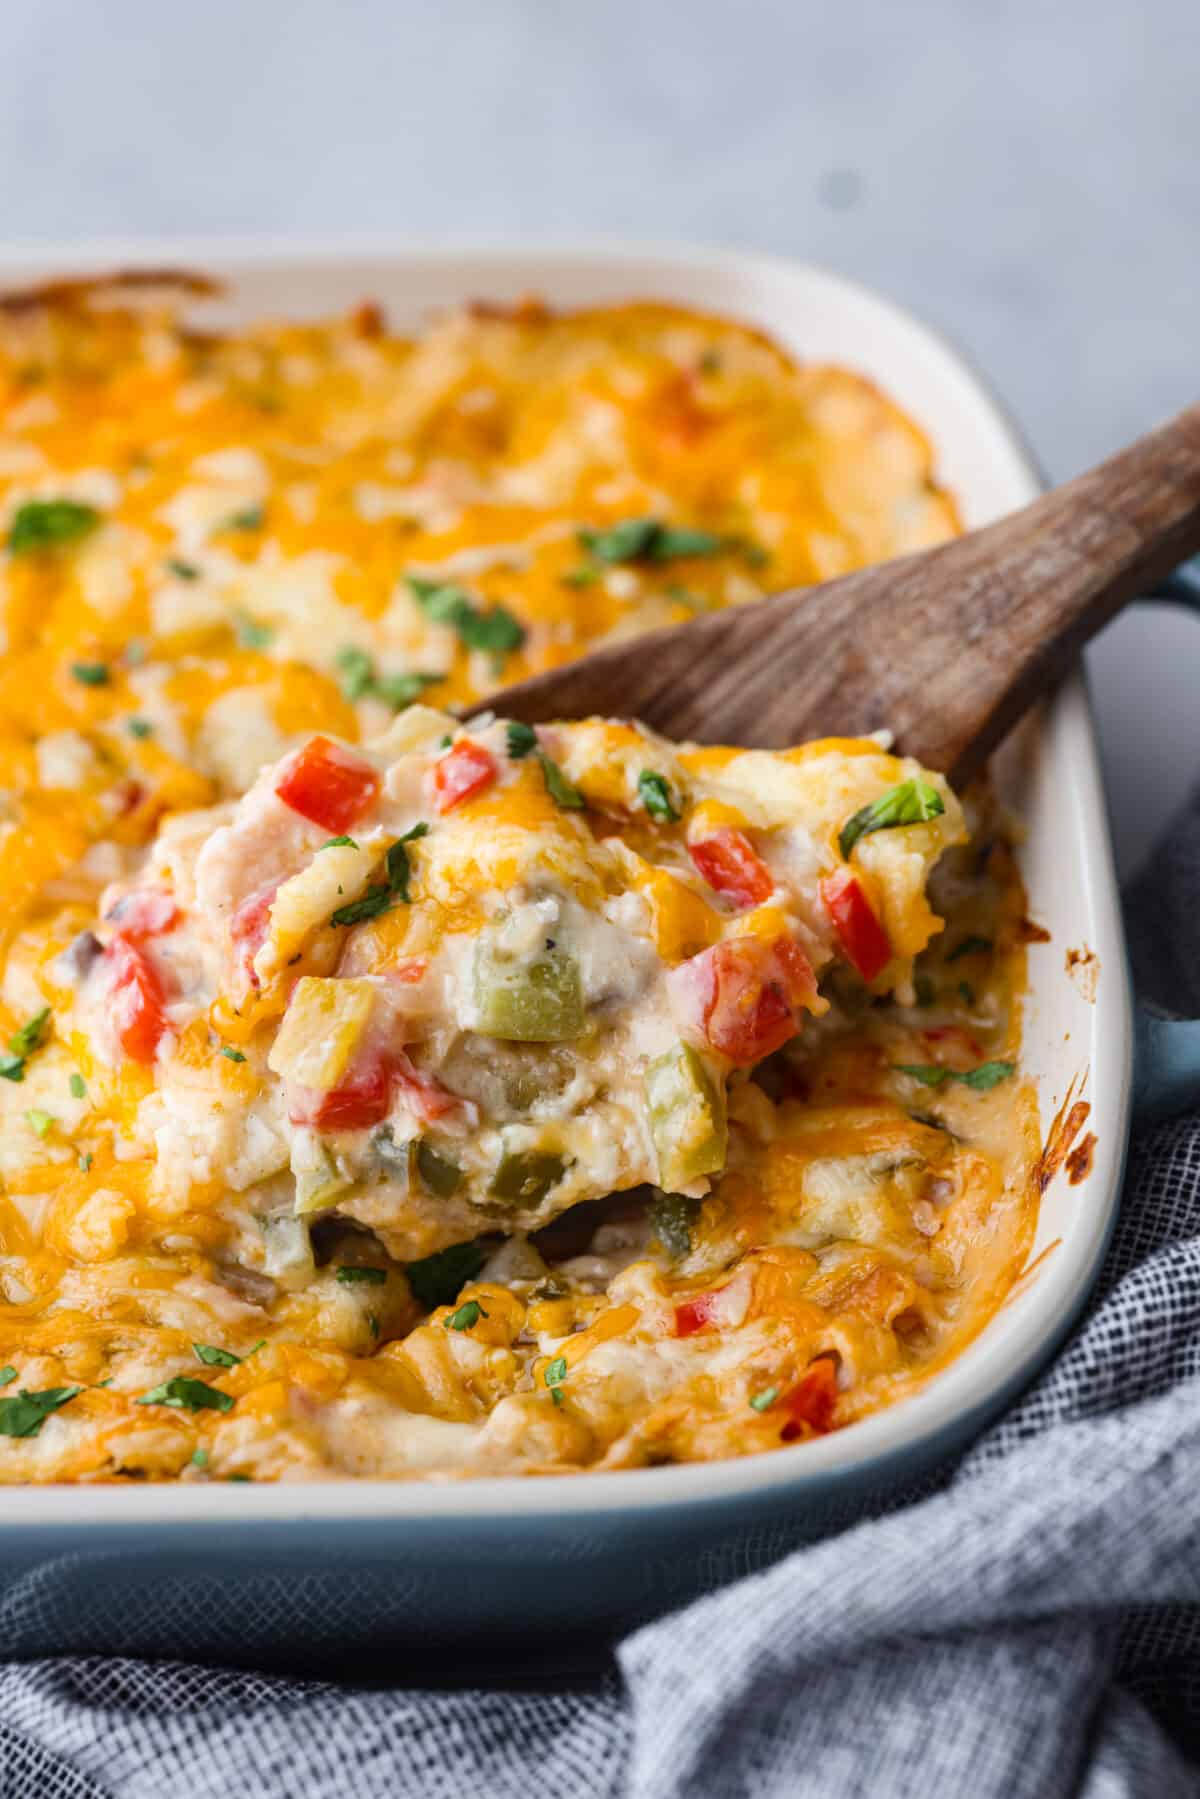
<point x="363" y="1100"/>
<point x="461" y="773"/>
<point x="428" y="1100"/>
<point x="146" y="912"/>
<point x="328" y="784"/>
<point x="728" y="861"/>
<point x="862" y="938"/>
<point x="743" y="995"/>
<point x="408" y="973"/>
<point x="248" y="929"/>
<point x="695" y="1314"/>
<point x="136" y="997"/>
<point x="810" y="1404"/>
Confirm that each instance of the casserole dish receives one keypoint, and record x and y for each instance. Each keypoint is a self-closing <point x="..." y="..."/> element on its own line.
<point x="256" y="1573"/>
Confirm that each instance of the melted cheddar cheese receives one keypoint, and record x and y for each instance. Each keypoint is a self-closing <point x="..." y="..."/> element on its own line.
<point x="387" y="1096"/>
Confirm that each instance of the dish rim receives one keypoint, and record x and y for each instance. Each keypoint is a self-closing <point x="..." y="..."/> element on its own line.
<point x="899" y="1432"/>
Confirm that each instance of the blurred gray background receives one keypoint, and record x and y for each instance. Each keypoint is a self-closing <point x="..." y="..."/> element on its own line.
<point x="1025" y="175"/>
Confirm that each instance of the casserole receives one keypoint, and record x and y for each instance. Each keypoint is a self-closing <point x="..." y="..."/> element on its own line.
<point x="475" y="1559"/>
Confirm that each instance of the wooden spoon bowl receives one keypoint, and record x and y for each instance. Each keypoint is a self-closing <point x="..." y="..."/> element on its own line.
<point x="946" y="649"/>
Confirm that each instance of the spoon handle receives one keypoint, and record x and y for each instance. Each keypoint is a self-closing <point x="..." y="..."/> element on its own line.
<point x="947" y="648"/>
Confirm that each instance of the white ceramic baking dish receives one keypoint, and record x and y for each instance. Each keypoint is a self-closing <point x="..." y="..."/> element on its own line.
<point x="290" y="1572"/>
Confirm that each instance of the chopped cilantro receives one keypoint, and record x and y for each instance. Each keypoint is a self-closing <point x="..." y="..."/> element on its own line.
<point x="8" y="1374"/>
<point x="31" y="1035"/>
<point x="555" y="1375"/>
<point x="436" y="1280"/>
<point x="250" y="518"/>
<point x="91" y="674"/>
<point x="466" y="1317"/>
<point x="564" y="793"/>
<point x="233" y="1055"/>
<point x="768" y="1396"/>
<point x="85" y="1161"/>
<point x="199" y="1458"/>
<point x="39" y="1122"/>
<point x="357" y="670"/>
<point x="655" y="795"/>
<point x="519" y="739"/>
<point x="648" y="540"/>
<point x="24" y="1415"/>
<point x="584" y="576"/>
<point x="361" y="681"/>
<point x="911" y="803"/>
<point x="358" y="1276"/>
<point x="140" y="727"/>
<point x="251" y="634"/>
<point x="78" y="1087"/>
<point x="981" y="1079"/>
<point x="187" y="1394"/>
<point x="48" y="524"/>
<point x="216" y="1358"/>
<point x="12" y="1068"/>
<point x="495" y="629"/>
<point x="379" y="897"/>
<point x="183" y="571"/>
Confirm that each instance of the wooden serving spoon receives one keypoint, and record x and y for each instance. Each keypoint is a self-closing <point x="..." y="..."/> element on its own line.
<point x="946" y="648"/>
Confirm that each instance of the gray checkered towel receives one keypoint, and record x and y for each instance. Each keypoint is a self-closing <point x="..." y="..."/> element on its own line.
<point x="1032" y="1628"/>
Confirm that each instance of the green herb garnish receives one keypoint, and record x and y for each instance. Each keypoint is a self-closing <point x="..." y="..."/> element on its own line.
<point x="187" y="1394"/>
<point x="467" y="1316"/>
<point x="351" y="1276"/>
<point x="438" y="1279"/>
<point x="768" y="1396"/>
<point x="41" y="1123"/>
<point x="8" y="1374"/>
<point x="85" y="1161"/>
<point x="78" y="1087"/>
<point x="339" y="843"/>
<point x="495" y="629"/>
<point x="184" y="571"/>
<point x="25" y="1414"/>
<point x="91" y="674"/>
<point x="31" y="1035"/>
<point x="564" y="793"/>
<point x="49" y="524"/>
<point x="250" y="518"/>
<point x="647" y="540"/>
<point x="251" y="634"/>
<point x="519" y="739"/>
<point x="981" y="1079"/>
<point x="231" y="1054"/>
<point x="216" y="1358"/>
<point x="395" y="886"/>
<point x="199" y="1458"/>
<point x="140" y="728"/>
<point x="911" y="803"/>
<point x="555" y="1375"/>
<point x="655" y="795"/>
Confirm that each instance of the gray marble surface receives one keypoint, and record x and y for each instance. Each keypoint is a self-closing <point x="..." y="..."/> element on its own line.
<point x="1025" y="175"/>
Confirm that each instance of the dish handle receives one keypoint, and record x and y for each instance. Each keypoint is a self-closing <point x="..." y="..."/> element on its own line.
<point x="1166" y="1064"/>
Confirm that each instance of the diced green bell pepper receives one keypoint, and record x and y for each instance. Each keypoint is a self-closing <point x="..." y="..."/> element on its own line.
<point x="440" y="1175"/>
<point x="529" y="1002"/>
<point x="524" y="1177"/>
<point x="687" y="1118"/>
